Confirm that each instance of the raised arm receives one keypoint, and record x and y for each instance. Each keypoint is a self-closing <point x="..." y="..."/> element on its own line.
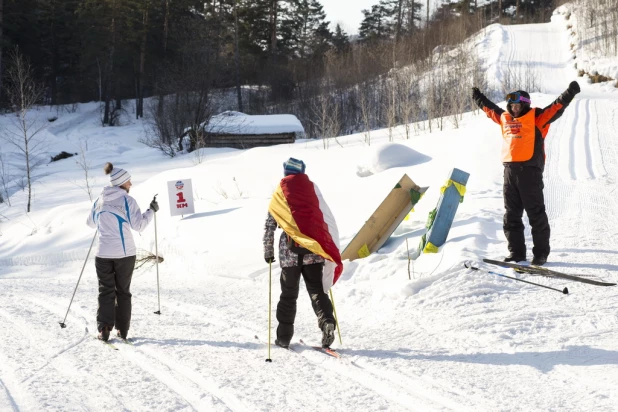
<point x="490" y="108"/>
<point x="553" y="112"/>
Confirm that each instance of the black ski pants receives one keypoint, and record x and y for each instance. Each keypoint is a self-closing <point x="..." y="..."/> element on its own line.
<point x="523" y="190"/>
<point x="114" y="292"/>
<point x="286" y="309"/>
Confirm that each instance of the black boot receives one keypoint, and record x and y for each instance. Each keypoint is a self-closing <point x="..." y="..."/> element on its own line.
<point x="328" y="334"/>
<point x="104" y="333"/>
<point x="280" y="343"/>
<point x="515" y="258"/>
<point x="539" y="260"/>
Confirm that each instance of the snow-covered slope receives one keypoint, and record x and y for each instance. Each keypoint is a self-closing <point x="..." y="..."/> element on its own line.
<point x="449" y="339"/>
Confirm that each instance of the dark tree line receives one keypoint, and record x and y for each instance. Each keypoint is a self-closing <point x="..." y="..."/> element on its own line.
<point x="274" y="54"/>
<point x="114" y="50"/>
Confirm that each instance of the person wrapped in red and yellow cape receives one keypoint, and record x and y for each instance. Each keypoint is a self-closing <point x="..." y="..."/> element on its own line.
<point x="309" y="246"/>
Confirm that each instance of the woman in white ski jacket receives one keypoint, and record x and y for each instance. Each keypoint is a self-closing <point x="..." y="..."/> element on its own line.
<point x="114" y="214"/>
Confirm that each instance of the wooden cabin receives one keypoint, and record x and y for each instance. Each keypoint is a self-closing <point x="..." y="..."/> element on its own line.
<point x="242" y="131"/>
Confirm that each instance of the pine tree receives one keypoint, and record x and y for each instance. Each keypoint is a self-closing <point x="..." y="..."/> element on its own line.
<point x="413" y="15"/>
<point x="390" y="18"/>
<point x="377" y="23"/>
<point x="111" y="43"/>
<point x="341" y="40"/>
<point x="322" y="35"/>
<point x="254" y="27"/>
<point x="405" y="14"/>
<point x="59" y="45"/>
<point x="306" y="29"/>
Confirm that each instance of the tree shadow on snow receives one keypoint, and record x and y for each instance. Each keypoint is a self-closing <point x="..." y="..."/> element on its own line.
<point x="542" y="361"/>
<point x="206" y="214"/>
<point x="393" y="242"/>
<point x="138" y="341"/>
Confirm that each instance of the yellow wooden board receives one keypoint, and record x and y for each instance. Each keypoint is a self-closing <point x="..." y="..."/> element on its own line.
<point x="384" y="220"/>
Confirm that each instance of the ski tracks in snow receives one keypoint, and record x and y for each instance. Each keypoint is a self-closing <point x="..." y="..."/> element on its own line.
<point x="583" y="149"/>
<point x="23" y="361"/>
<point x="199" y="392"/>
<point x="410" y="393"/>
<point x="10" y="402"/>
<point x="581" y="175"/>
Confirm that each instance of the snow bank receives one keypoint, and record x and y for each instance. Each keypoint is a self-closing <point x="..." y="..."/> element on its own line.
<point x="389" y="156"/>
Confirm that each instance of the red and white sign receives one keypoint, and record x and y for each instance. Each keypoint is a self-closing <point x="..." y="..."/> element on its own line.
<point x="181" y="197"/>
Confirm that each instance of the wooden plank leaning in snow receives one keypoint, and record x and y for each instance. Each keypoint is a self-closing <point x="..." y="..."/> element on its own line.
<point x="383" y="222"/>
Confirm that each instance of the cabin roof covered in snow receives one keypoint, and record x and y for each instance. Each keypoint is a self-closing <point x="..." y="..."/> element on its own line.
<point x="243" y="124"/>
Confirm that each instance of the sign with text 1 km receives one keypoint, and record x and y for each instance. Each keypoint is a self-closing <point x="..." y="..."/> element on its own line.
<point x="181" y="197"/>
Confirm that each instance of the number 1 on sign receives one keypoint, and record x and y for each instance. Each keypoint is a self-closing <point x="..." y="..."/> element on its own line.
<point x="181" y="198"/>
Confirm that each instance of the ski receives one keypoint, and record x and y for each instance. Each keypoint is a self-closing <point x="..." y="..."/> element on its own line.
<point x="273" y="344"/>
<point x="537" y="270"/>
<point x="96" y="337"/>
<point x="127" y="341"/>
<point x="564" y="291"/>
<point x="108" y="344"/>
<point x="328" y="351"/>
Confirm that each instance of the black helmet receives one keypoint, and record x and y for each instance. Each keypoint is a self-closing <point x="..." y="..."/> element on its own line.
<point x="521" y="97"/>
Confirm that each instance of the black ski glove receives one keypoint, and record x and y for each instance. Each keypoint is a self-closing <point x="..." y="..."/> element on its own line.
<point x="574" y="88"/>
<point x="269" y="259"/>
<point x="154" y="206"/>
<point x="476" y="93"/>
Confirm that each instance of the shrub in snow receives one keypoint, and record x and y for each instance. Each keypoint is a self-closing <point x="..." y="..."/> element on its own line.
<point x="62" y="155"/>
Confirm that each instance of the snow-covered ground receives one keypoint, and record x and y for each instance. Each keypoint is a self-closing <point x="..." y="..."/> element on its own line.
<point x="449" y="339"/>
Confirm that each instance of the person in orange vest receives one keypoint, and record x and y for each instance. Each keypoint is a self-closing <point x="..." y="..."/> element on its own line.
<point x="523" y="154"/>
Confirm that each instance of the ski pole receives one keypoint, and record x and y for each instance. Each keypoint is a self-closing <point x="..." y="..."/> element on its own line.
<point x="154" y="199"/>
<point x="62" y="324"/>
<point x="335" y="312"/>
<point x="270" y="271"/>
<point x="564" y="291"/>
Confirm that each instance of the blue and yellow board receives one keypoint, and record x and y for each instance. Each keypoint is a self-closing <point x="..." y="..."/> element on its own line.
<point x="441" y="218"/>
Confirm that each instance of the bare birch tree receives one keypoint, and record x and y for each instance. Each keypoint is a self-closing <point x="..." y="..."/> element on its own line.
<point x="5" y="179"/>
<point x="326" y="113"/>
<point x="365" y="110"/>
<point x="24" y="93"/>
<point x="84" y="163"/>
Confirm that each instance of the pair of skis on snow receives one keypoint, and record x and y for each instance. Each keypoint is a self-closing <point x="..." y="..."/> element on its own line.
<point x="111" y="345"/>
<point x="326" y="351"/>
<point x="539" y="271"/>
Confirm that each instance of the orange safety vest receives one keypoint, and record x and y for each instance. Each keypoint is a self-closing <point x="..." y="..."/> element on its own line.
<point x="517" y="137"/>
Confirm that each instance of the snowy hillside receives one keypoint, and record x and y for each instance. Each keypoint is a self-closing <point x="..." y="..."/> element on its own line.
<point x="450" y="339"/>
<point x="593" y="47"/>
